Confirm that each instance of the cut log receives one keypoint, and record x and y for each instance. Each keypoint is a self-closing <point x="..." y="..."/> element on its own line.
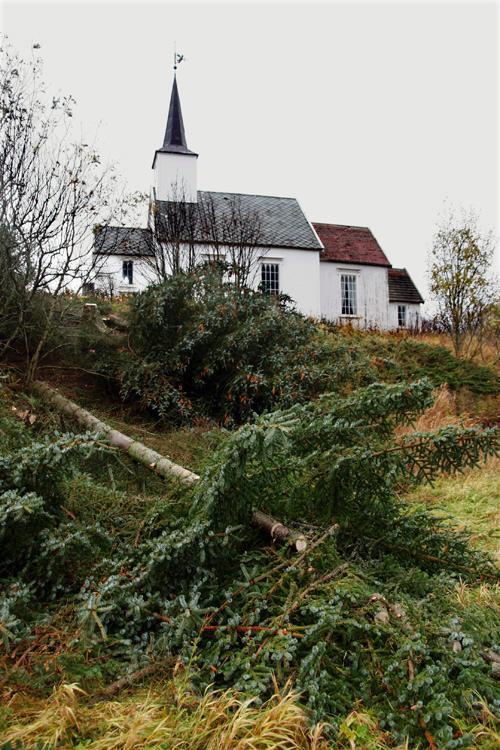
<point x="91" y="316"/>
<point x="90" y="312"/>
<point x="155" y="461"/>
<point x="114" y="321"/>
<point x="278" y="532"/>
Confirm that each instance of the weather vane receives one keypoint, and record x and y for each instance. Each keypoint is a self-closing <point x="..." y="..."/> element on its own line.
<point x="177" y="58"/>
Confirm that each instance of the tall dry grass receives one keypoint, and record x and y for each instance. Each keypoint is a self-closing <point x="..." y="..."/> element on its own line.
<point x="170" y="718"/>
<point x="442" y="413"/>
<point x="485" y="351"/>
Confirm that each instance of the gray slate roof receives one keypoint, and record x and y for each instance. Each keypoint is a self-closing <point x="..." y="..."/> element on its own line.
<point x="402" y="288"/>
<point x="122" y="241"/>
<point x="282" y="221"/>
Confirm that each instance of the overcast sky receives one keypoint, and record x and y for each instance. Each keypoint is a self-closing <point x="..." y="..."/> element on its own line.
<point x="369" y="113"/>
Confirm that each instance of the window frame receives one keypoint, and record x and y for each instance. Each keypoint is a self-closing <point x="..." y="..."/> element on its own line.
<point x="267" y="284"/>
<point x="128" y="271"/>
<point x="402" y="316"/>
<point x="349" y="306"/>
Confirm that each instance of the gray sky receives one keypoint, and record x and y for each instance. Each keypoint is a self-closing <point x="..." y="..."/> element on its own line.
<point x="369" y="113"/>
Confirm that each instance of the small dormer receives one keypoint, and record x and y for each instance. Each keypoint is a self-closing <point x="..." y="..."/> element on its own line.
<point x="174" y="165"/>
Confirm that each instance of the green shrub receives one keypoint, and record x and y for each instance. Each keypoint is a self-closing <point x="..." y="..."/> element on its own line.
<point x="202" y="346"/>
<point x="416" y="359"/>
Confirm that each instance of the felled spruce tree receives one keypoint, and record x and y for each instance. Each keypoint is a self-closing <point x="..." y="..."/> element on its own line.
<point x="339" y="459"/>
<point x="366" y="614"/>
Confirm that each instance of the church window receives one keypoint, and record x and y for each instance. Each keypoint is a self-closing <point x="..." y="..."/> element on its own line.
<point x="270" y="278"/>
<point x="128" y="271"/>
<point x="348" y="289"/>
<point x="401" y="316"/>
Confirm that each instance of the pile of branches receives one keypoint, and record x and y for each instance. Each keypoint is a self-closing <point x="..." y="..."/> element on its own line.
<point x="365" y="613"/>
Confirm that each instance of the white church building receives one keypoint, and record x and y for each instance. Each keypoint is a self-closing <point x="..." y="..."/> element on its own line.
<point x="335" y="272"/>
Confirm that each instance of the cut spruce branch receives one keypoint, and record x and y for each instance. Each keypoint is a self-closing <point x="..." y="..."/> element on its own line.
<point x="155" y="461"/>
<point x="109" y="692"/>
<point x="248" y="629"/>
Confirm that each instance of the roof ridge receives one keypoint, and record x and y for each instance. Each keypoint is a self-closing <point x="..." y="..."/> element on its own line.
<point x="346" y="226"/>
<point x="251" y="195"/>
<point x="119" y="226"/>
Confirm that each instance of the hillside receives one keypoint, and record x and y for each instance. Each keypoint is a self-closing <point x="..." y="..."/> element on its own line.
<point x="375" y="636"/>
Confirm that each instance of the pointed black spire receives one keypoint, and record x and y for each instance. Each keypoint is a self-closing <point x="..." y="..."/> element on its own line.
<point x="175" y="137"/>
<point x="174" y="141"/>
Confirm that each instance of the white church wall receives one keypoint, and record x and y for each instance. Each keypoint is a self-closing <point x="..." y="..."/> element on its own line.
<point x="413" y="315"/>
<point x="299" y="274"/>
<point x="110" y="275"/>
<point x="299" y="277"/>
<point x="372" y="294"/>
<point x="175" y="177"/>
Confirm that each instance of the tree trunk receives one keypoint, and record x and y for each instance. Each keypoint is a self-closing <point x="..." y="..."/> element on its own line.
<point x="136" y="450"/>
<point x="35" y="357"/>
<point x="155" y="461"/>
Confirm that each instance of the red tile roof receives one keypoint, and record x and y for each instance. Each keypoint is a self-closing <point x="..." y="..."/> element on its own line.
<point x="347" y="244"/>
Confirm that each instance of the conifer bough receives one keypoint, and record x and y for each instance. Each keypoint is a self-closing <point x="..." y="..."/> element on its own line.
<point x="155" y="461"/>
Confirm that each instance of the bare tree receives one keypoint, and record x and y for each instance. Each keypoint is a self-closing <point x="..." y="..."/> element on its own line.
<point x="175" y="226"/>
<point x="52" y="192"/>
<point x="10" y="270"/>
<point x="235" y="233"/>
<point x="185" y="234"/>
<point x="461" y="282"/>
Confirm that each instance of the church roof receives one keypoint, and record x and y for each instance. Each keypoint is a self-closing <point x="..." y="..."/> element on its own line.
<point x="122" y="241"/>
<point x="174" y="141"/>
<point x="348" y="244"/>
<point x="402" y="288"/>
<point x="282" y="221"/>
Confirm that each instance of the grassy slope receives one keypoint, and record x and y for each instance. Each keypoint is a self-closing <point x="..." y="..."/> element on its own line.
<point x="471" y="500"/>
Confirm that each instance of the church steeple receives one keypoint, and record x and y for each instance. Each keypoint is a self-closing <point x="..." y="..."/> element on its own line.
<point x="174" y="164"/>
<point x="175" y="136"/>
